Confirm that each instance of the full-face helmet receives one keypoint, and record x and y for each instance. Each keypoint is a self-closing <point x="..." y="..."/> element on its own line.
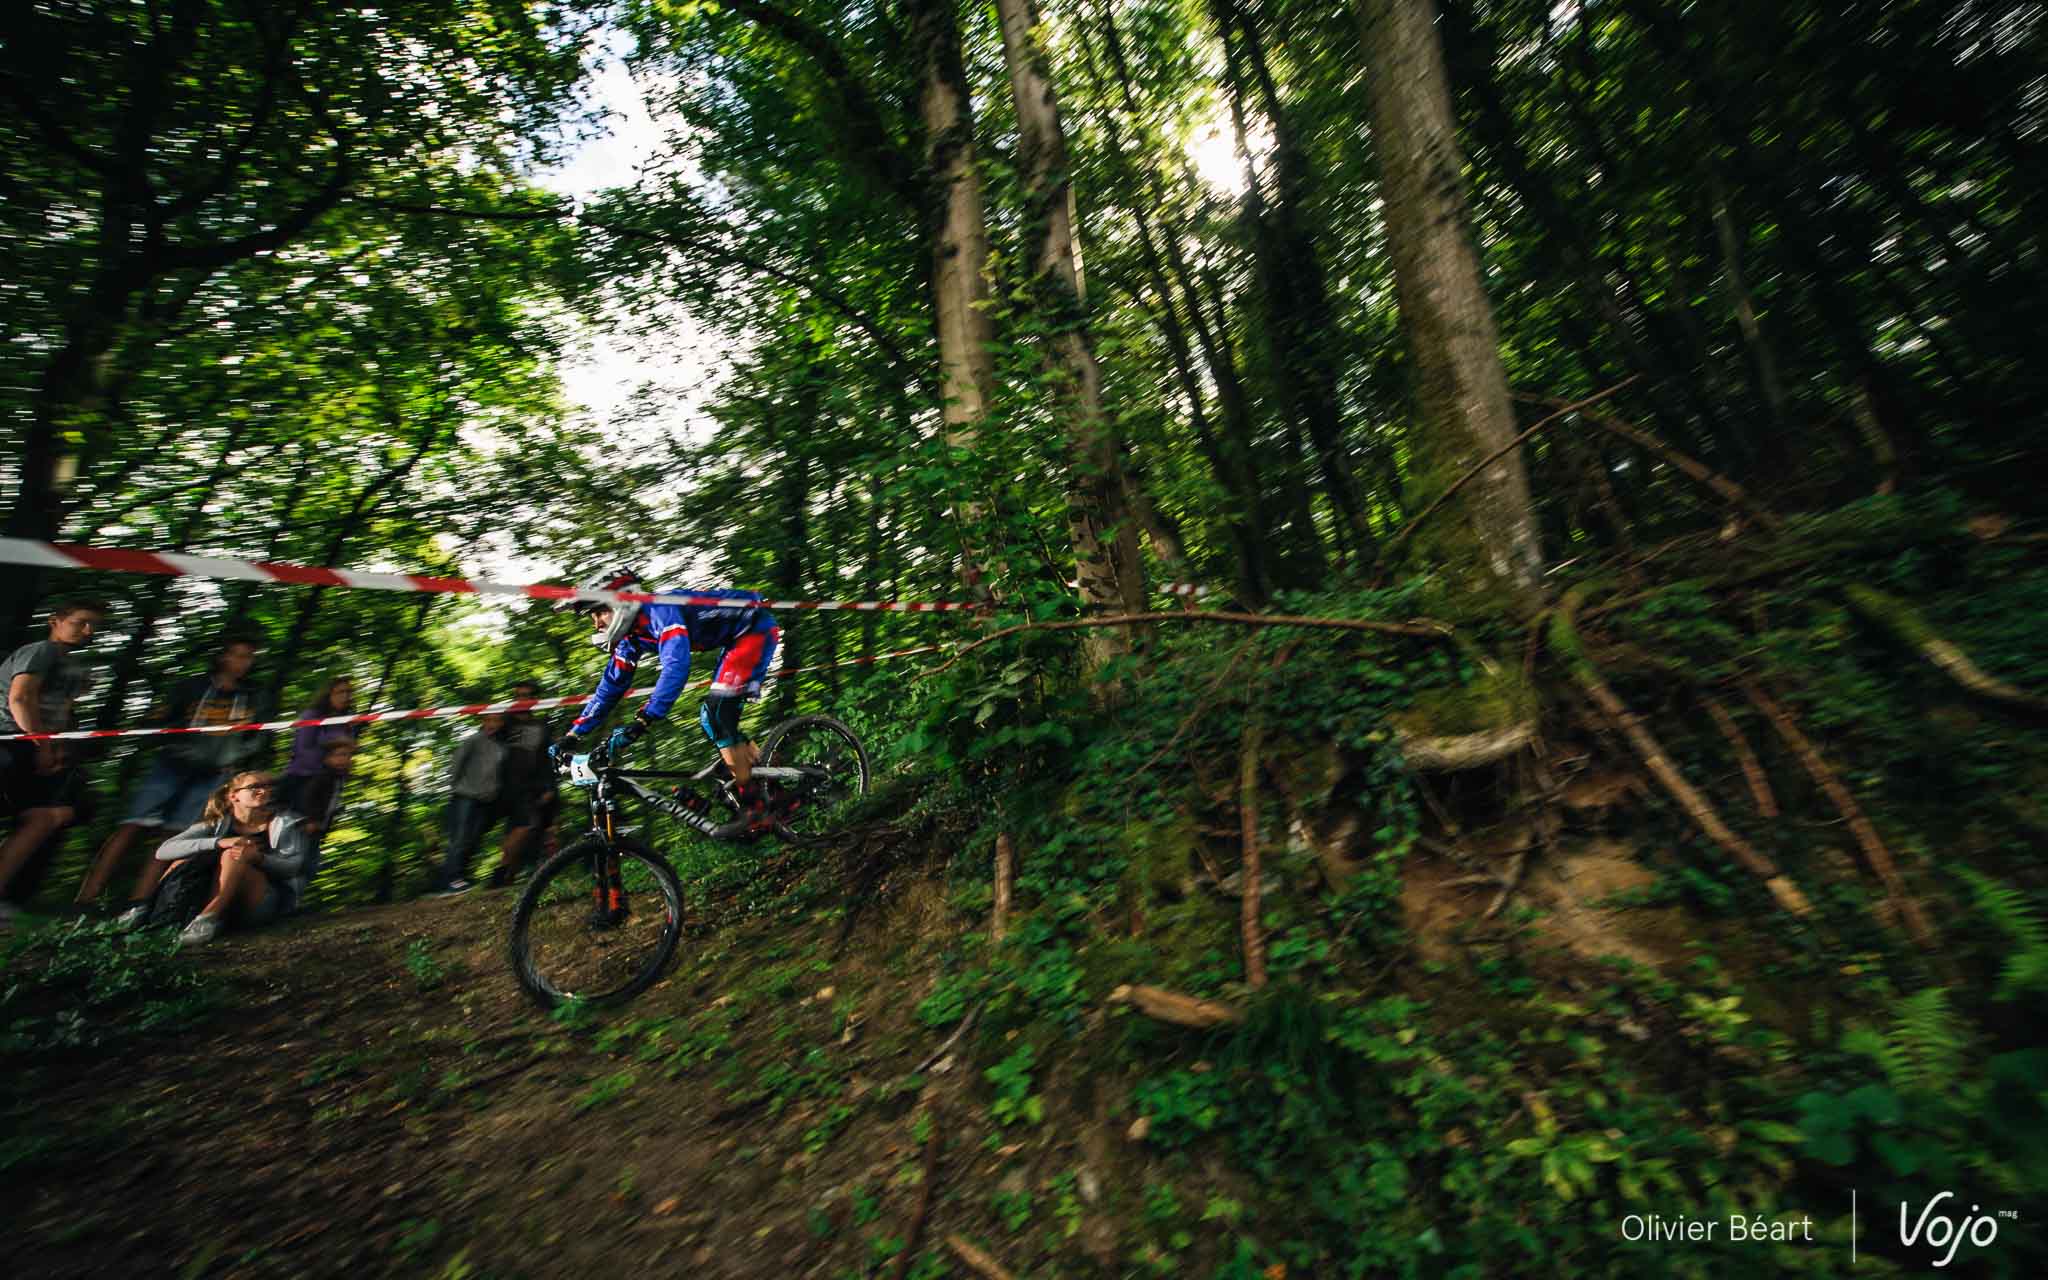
<point x="623" y="612"/>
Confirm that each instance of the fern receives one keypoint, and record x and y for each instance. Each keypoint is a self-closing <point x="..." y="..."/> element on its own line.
<point x="2010" y="912"/>
<point x="1924" y="1048"/>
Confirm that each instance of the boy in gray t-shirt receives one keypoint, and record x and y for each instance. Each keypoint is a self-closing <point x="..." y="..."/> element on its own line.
<point x="40" y="684"/>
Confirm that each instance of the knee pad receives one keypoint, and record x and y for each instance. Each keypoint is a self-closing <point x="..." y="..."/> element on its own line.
<point x="720" y="719"/>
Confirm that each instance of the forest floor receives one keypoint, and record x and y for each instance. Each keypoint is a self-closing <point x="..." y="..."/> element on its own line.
<point x="376" y="1097"/>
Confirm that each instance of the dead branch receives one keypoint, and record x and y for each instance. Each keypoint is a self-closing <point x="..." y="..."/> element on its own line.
<point x="1752" y="768"/>
<point x="1565" y="643"/>
<point x="1248" y="819"/>
<point x="1875" y="854"/>
<point x="1006" y="880"/>
<point x="1906" y="623"/>
<point x="1173" y="1007"/>
<point x="924" y="1201"/>
<point x="977" y="1261"/>
<point x="1417" y="628"/>
<point x="1491" y="458"/>
<point x="1724" y="488"/>
<point x="965" y="1024"/>
<point x="1511" y="882"/>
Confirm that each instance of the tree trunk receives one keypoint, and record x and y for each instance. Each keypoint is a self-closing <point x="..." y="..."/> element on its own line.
<point x="1484" y="542"/>
<point x="956" y="234"/>
<point x="1104" y="537"/>
<point x="1300" y="320"/>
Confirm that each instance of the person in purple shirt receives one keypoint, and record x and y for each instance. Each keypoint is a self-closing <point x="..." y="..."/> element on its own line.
<point x="310" y="742"/>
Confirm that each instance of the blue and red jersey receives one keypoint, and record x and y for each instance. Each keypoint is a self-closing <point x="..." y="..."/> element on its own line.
<point x="745" y="630"/>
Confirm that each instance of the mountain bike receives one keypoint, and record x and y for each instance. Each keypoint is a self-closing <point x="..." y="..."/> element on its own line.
<point x="600" y="920"/>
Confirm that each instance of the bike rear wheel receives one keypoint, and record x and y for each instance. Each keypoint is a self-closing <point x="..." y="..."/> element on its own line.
<point x="572" y="939"/>
<point x="835" y="769"/>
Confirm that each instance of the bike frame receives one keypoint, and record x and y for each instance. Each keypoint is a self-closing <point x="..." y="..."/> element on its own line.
<point x="606" y="783"/>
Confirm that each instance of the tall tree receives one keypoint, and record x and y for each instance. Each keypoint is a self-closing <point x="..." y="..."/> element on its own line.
<point x="1484" y="540"/>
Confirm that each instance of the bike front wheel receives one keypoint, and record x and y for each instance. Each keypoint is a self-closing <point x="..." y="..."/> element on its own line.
<point x="819" y="805"/>
<point x="597" y="923"/>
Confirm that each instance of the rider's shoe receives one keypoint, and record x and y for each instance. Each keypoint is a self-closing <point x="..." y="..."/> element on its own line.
<point x="755" y="818"/>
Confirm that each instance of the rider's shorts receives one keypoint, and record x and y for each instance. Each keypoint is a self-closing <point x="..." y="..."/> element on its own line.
<point x="746" y="661"/>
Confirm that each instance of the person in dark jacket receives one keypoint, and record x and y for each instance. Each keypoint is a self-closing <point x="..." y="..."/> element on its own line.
<point x="40" y="685"/>
<point x="475" y="776"/>
<point x="265" y="861"/>
<point x="528" y="798"/>
<point x="189" y="767"/>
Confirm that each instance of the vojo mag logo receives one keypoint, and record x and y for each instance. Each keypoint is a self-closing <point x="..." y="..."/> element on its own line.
<point x="1938" y="1228"/>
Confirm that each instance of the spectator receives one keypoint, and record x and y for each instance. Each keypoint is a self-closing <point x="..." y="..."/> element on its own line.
<point x="474" y="780"/>
<point x="310" y="742"/>
<point x="188" y="768"/>
<point x="320" y="798"/>
<point x="40" y="684"/>
<point x="265" y="858"/>
<point x="529" y="798"/>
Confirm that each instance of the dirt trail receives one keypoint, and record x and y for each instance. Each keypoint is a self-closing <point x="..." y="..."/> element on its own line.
<point x="380" y="1100"/>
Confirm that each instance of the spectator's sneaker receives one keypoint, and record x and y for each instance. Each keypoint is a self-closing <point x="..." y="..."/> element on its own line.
<point x="455" y="888"/>
<point x="133" y="917"/>
<point x="200" y="932"/>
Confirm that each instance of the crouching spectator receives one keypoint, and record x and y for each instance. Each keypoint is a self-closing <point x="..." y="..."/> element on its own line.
<point x="265" y="858"/>
<point x="188" y="768"/>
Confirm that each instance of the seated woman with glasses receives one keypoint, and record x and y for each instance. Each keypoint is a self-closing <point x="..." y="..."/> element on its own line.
<point x="266" y="857"/>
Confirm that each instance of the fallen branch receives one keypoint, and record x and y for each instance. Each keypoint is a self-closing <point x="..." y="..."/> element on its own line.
<point x="1419" y="628"/>
<point x="966" y="1023"/>
<point x="1173" y="1007"/>
<point x="1564" y="642"/>
<point x="1752" y="768"/>
<point x="977" y="1261"/>
<point x="1248" y="821"/>
<point x="1875" y="854"/>
<point x="924" y="1201"/>
<point x="1905" y="622"/>
<point x="1492" y="458"/>
<point x="1729" y="491"/>
<point x="1452" y="752"/>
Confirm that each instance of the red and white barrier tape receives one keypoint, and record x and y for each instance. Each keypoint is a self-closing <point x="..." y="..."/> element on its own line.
<point x="419" y="713"/>
<point x="69" y="555"/>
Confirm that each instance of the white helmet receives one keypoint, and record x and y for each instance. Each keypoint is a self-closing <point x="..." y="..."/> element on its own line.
<point x="623" y="612"/>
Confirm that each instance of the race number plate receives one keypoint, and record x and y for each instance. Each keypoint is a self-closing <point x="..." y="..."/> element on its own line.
<point x="580" y="771"/>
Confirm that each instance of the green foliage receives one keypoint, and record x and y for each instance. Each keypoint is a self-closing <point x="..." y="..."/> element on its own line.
<point x="84" y="985"/>
<point x="427" y="971"/>
<point x="2020" y="921"/>
<point x="605" y="1090"/>
<point x="1014" y="1103"/>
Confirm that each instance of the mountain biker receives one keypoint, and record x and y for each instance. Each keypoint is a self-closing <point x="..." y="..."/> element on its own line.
<point x="736" y="622"/>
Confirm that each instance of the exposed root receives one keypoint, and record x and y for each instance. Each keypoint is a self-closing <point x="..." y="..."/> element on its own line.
<point x="1453" y="752"/>
<point x="1905" y="622"/>
<point x="1564" y="642"/>
<point x="966" y="1024"/>
<point x="1248" y="817"/>
<point x="1752" y="768"/>
<point x="915" y="1234"/>
<point x="977" y="1261"/>
<point x="1006" y="881"/>
<point x="1875" y="854"/>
